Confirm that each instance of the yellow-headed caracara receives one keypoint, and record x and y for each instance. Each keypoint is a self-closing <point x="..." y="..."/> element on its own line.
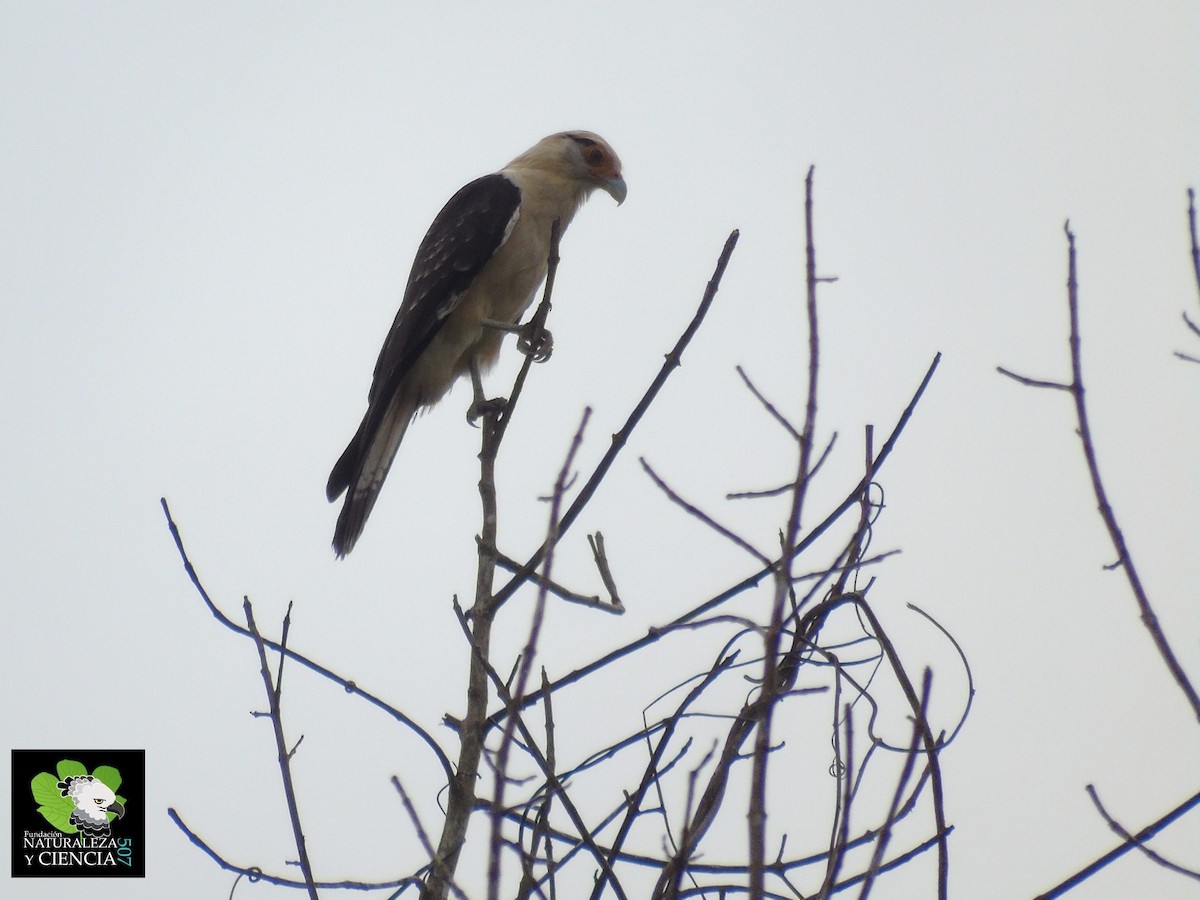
<point x="483" y="259"/>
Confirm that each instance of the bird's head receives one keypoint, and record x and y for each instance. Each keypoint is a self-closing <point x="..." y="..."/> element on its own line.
<point x="579" y="155"/>
<point x="92" y="799"/>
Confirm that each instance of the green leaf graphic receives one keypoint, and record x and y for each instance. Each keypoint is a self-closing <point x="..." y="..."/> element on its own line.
<point x="109" y="776"/>
<point x="54" y="807"/>
<point x="45" y="790"/>
<point x="59" y="818"/>
<point x="68" y="767"/>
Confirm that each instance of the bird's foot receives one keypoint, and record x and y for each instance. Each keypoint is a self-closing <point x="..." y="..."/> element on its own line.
<point x="480" y="408"/>
<point x="535" y="341"/>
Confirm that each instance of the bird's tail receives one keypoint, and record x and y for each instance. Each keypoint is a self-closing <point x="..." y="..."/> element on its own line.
<point x="362" y="468"/>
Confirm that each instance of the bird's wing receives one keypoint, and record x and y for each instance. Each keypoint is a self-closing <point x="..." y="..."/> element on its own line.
<point x="471" y="227"/>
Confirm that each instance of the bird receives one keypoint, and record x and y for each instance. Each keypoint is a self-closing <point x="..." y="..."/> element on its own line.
<point x="93" y="800"/>
<point x="475" y="272"/>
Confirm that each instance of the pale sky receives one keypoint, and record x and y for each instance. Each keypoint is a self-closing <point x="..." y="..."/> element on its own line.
<point x="207" y="215"/>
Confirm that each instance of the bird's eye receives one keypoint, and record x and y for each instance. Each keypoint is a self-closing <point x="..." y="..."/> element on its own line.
<point x="594" y="156"/>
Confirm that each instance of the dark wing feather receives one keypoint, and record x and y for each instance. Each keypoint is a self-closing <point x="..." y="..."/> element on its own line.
<point x="463" y="237"/>
<point x="472" y="225"/>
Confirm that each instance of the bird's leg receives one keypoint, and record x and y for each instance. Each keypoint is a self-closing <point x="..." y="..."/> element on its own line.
<point x="480" y="406"/>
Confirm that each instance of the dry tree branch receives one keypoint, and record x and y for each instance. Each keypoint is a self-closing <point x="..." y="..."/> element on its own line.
<point x="673" y="361"/>
<point x="772" y="639"/>
<point x="751" y="581"/>
<point x="422" y="834"/>
<point x="932" y="745"/>
<point x="1109" y="517"/>
<point x="1121" y="849"/>
<point x="692" y="510"/>
<point x="553" y="782"/>
<point x="885" y="833"/>
<point x="781" y="489"/>
<point x="1191" y="216"/>
<point x="461" y="797"/>
<point x="600" y="557"/>
<point x="770" y="407"/>
<point x="840" y="826"/>
<point x="285" y="756"/>
<point x="1124" y="834"/>
<point x="678" y="865"/>
<point x="593" y="601"/>
<point x="256" y="873"/>
<point x="350" y="687"/>
<point x="541" y="825"/>
<point x="527" y="654"/>
<point x="652" y="771"/>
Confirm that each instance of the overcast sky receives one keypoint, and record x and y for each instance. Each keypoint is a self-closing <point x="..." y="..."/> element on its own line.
<point x="207" y="215"/>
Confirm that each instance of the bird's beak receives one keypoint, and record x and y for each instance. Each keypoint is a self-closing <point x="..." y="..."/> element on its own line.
<point x="615" y="188"/>
<point x="116" y="807"/>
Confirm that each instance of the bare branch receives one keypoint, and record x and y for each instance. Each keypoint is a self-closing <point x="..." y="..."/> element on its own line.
<point x="672" y="362"/>
<point x="1149" y="618"/>
<point x="704" y="517"/>
<point x="1121" y="849"/>
<point x="1033" y="382"/>
<point x="1191" y="215"/>
<point x="255" y="873"/>
<point x="527" y="654"/>
<point x="1121" y="832"/>
<point x="285" y="758"/>
<point x="596" y="542"/>
<point x="350" y="687"/>
<point x="702" y="609"/>
<point x="768" y="405"/>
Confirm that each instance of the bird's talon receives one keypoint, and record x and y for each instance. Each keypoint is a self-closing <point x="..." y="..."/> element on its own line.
<point x="536" y="342"/>
<point x="481" y="408"/>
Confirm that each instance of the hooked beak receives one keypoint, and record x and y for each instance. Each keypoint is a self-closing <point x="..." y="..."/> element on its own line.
<point x="615" y="188"/>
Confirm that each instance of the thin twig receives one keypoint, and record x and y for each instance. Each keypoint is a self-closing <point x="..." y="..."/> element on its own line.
<point x="672" y="362"/>
<point x="536" y="325"/>
<point x="554" y="783"/>
<point x="1191" y="215"/>
<point x="1125" y="835"/>
<point x="651" y="772"/>
<point x="751" y="581"/>
<point x="885" y="833"/>
<point x="596" y="542"/>
<point x="770" y="407"/>
<point x="285" y="758"/>
<point x="932" y="745"/>
<point x="772" y="677"/>
<point x="1121" y="849"/>
<point x="255" y="873"/>
<point x="350" y="687"/>
<point x="541" y="826"/>
<point x="422" y="834"/>
<point x="1124" y="559"/>
<point x="528" y="653"/>
<point x="593" y="601"/>
<point x="704" y="517"/>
